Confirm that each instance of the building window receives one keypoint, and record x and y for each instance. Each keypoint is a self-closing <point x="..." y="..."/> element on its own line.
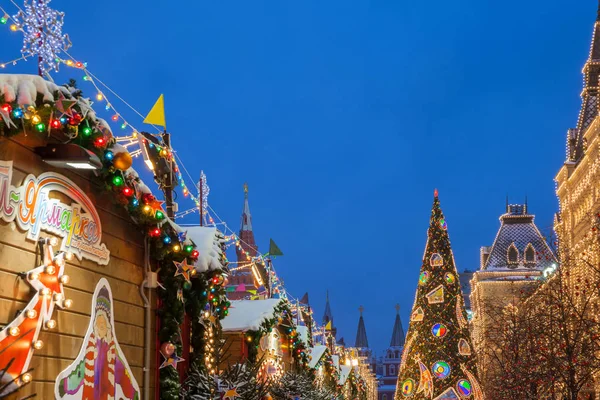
<point x="384" y="397"/>
<point x="392" y="370"/>
<point x="396" y="354"/>
<point x="530" y="254"/>
<point x="513" y="254"/>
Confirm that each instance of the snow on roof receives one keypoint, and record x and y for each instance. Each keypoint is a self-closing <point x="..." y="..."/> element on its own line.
<point x="245" y="315"/>
<point x="316" y="353"/>
<point x="336" y="361"/>
<point x="344" y="374"/>
<point x="208" y="241"/>
<point x="303" y="333"/>
<point x="24" y="88"/>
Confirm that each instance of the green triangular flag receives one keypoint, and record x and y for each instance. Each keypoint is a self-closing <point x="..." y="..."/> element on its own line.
<point x="273" y="249"/>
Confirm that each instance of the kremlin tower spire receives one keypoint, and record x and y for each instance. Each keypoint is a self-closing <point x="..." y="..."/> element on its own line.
<point x="361" y="334"/>
<point x="246" y="249"/>
<point x="398" y="332"/>
<point x="246" y="235"/>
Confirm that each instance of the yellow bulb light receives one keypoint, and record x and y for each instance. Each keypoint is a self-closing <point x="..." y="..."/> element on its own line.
<point x="65" y="279"/>
<point x="51" y="324"/>
<point x="14" y="331"/>
<point x="26" y="378"/>
<point x="31" y="314"/>
<point x="68" y="303"/>
<point x="38" y="344"/>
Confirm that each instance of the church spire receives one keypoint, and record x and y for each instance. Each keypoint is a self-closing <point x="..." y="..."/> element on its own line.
<point x="398" y="332"/>
<point x="590" y="97"/>
<point x="246" y="248"/>
<point x="328" y="315"/>
<point x="361" y="334"/>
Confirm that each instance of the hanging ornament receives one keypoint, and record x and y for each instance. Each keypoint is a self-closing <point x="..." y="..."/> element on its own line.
<point x="443" y="224"/>
<point x="436" y="295"/>
<point x="231" y="394"/>
<point x="436" y="260"/>
<point x="449" y="277"/>
<point x="122" y="160"/>
<point x="171" y="361"/>
<point x="439" y="330"/>
<point x="441" y="369"/>
<point x="408" y="387"/>
<point x="424" y="278"/>
<point x="167" y="348"/>
<point x="426" y="381"/>
<point x="183" y="269"/>
<point x="464" y="388"/>
<point x="180" y="295"/>
<point x="64" y="106"/>
<point x="463" y="347"/>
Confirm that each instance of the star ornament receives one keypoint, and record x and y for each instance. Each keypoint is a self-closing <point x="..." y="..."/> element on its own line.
<point x="64" y="106"/>
<point x="231" y="394"/>
<point x="183" y="269"/>
<point x="171" y="361"/>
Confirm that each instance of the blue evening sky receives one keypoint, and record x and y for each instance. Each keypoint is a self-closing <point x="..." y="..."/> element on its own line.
<point x="343" y="116"/>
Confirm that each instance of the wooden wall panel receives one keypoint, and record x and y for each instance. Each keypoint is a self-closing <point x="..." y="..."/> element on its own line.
<point x="124" y="273"/>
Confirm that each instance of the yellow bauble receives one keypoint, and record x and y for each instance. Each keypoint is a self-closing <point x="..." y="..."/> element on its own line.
<point x="122" y="161"/>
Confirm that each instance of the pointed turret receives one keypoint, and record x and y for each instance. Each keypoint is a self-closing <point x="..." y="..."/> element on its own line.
<point x="398" y="332"/>
<point x="247" y="247"/>
<point x="361" y="334"/>
<point x="590" y="97"/>
<point x="328" y="315"/>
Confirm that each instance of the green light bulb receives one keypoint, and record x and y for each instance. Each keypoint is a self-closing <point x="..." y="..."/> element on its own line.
<point x="117" y="181"/>
<point x="159" y="215"/>
<point x="87" y="131"/>
<point x="40" y="127"/>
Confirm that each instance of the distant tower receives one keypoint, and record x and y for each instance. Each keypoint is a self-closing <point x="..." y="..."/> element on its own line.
<point x="362" y="343"/>
<point x="391" y="361"/>
<point x="247" y="245"/>
<point x="327" y="318"/>
<point x="576" y="142"/>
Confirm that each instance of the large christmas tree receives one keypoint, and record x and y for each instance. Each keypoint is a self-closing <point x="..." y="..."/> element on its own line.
<point x="438" y="360"/>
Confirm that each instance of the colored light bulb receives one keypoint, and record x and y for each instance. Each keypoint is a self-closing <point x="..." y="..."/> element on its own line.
<point x="127" y="191"/>
<point x="176" y="248"/>
<point x="6" y="108"/>
<point x="189" y="248"/>
<point x="115" y="117"/>
<point x="166" y="240"/>
<point x="159" y="215"/>
<point x="117" y="180"/>
<point x="4" y="19"/>
<point x="14" y="28"/>
<point x="63" y="120"/>
<point x="109" y="155"/>
<point x="100" y="142"/>
<point x="99" y="97"/>
<point x="56" y="124"/>
<point x="36" y="119"/>
<point x="17" y="113"/>
<point x="135" y="202"/>
<point x="87" y="131"/>
<point x="195" y="253"/>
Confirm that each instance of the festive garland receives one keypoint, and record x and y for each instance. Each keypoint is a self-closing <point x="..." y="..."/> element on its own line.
<point x="297" y="347"/>
<point x="71" y="117"/>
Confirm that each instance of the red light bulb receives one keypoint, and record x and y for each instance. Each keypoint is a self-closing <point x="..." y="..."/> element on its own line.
<point x="56" y="124"/>
<point x="195" y="253"/>
<point x="127" y="191"/>
<point x="6" y="108"/>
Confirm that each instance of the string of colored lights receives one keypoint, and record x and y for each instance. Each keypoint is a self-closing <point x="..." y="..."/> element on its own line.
<point x="101" y="96"/>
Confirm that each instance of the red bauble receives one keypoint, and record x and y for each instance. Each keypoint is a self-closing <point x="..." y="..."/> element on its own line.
<point x="167" y="348"/>
<point x="75" y="119"/>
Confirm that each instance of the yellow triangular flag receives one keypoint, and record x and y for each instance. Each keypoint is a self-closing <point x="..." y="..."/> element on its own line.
<point x="156" y="116"/>
<point x="328" y="326"/>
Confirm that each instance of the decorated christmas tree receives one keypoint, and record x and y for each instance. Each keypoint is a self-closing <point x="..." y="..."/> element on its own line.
<point x="438" y="360"/>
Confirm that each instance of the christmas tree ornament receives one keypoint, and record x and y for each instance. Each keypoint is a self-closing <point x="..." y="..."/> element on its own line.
<point x="171" y="361"/>
<point x="122" y="161"/>
<point x="64" y="106"/>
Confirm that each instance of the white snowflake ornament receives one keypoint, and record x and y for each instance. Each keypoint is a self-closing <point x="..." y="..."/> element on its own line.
<point x="42" y="33"/>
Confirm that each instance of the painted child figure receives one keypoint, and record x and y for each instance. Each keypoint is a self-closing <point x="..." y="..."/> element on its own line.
<point x="100" y="371"/>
